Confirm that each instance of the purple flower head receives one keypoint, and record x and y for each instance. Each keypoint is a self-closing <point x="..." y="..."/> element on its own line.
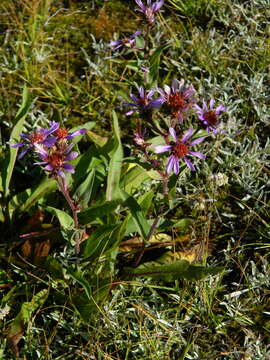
<point x="56" y="161"/>
<point x="37" y="137"/>
<point x="129" y="42"/>
<point x="178" y="97"/>
<point x="150" y="9"/>
<point x="179" y="150"/>
<point x="209" y="116"/>
<point x="143" y="103"/>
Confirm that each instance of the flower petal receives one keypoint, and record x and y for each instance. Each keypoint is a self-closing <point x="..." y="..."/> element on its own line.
<point x="187" y="135"/>
<point x="189" y="164"/>
<point x="23" y="152"/>
<point x="76" y="133"/>
<point x="197" y="141"/>
<point x="162" y="148"/>
<point x="171" y="163"/>
<point x="71" y="156"/>
<point x="197" y="154"/>
<point x="211" y="104"/>
<point x="173" y="134"/>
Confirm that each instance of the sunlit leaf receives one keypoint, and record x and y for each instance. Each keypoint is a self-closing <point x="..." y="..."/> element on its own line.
<point x="15" y="137"/>
<point x="142" y="225"/>
<point x="115" y="165"/>
<point x="66" y="221"/>
<point x="180" y="269"/>
<point x="84" y="190"/>
<point x="133" y="179"/>
<point x="155" y="62"/>
<point x="100" y="240"/>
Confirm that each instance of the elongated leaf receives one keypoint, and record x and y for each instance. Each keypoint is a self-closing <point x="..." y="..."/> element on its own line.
<point x="133" y="179"/>
<point x="143" y="227"/>
<point x="154" y="63"/>
<point x="14" y="137"/>
<point x="78" y="277"/>
<point x="46" y="186"/>
<point x="144" y="201"/>
<point x="97" y="211"/>
<point x="178" y="270"/>
<point x="115" y="165"/>
<point x="97" y="139"/>
<point x="21" y="321"/>
<point x="100" y="240"/>
<point x="84" y="191"/>
<point x="66" y="221"/>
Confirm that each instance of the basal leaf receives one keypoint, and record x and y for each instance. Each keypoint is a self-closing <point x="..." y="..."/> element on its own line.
<point x="14" y="137"/>
<point x="143" y="227"/>
<point x="168" y="272"/>
<point x="155" y="62"/>
<point x="115" y="164"/>
<point x="144" y="201"/>
<point x="84" y="190"/>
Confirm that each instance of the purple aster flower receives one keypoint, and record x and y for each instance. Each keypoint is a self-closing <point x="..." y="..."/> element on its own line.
<point x="178" y="97"/>
<point x="56" y="161"/>
<point x="210" y="116"/>
<point x="129" y="42"/>
<point x="144" y="102"/>
<point x="40" y="136"/>
<point x="179" y="149"/>
<point x="150" y="9"/>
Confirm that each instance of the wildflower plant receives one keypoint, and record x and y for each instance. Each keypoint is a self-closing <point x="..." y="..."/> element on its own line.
<point x="149" y="181"/>
<point x="112" y="194"/>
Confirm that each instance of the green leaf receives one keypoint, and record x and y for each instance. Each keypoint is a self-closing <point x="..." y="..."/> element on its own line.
<point x="144" y="201"/>
<point x="143" y="227"/>
<point x="133" y="179"/>
<point x="26" y="199"/>
<point x="100" y="240"/>
<point x="78" y="277"/>
<point x="21" y="321"/>
<point x="66" y="221"/>
<point x="84" y="190"/>
<point x="14" y="137"/>
<point x="97" y="211"/>
<point x="115" y="164"/>
<point x="97" y="139"/>
<point x="155" y="62"/>
<point x="168" y="272"/>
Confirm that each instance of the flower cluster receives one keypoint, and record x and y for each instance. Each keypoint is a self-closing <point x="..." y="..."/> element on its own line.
<point x="52" y="147"/>
<point x="150" y="9"/>
<point x="174" y="104"/>
<point x="176" y="101"/>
